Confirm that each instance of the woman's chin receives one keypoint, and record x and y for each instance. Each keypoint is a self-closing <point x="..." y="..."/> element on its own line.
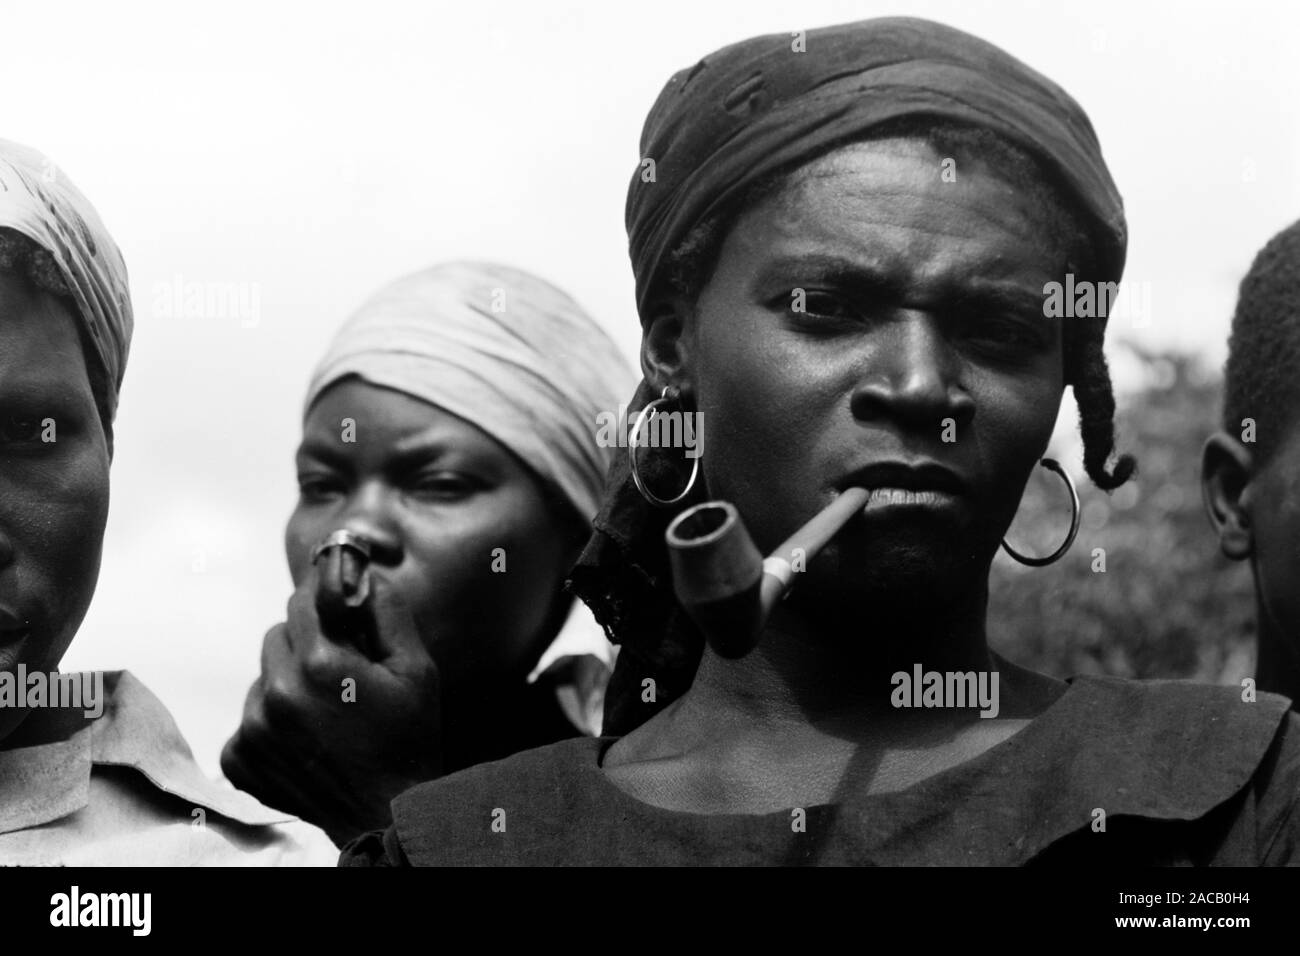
<point x="900" y="571"/>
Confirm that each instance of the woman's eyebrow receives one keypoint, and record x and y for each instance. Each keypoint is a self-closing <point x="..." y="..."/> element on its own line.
<point x="469" y="453"/>
<point x="860" y="277"/>
<point x="326" y="452"/>
<point x="880" y="282"/>
<point x="44" y="399"/>
<point x="20" y="385"/>
<point x="1004" y="297"/>
<point x="418" y="450"/>
<point x="426" y="442"/>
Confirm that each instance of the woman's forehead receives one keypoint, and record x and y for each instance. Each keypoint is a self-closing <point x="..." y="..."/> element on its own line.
<point x="38" y="336"/>
<point x="357" y="414"/>
<point x="883" y="201"/>
<point x="908" y="167"/>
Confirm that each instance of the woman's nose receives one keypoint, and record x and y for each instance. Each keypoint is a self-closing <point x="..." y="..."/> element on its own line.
<point x="913" y="377"/>
<point x="369" y="513"/>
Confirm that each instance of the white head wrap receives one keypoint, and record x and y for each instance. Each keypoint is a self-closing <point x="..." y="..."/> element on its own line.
<point x="39" y="201"/>
<point x="519" y="359"/>
<point x="501" y="349"/>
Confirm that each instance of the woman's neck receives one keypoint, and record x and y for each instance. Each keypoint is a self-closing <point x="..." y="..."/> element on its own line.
<point x="813" y="711"/>
<point x="814" y="667"/>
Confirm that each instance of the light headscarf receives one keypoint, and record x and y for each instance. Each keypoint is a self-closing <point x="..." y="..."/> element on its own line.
<point x="521" y="360"/>
<point x="501" y="349"/>
<point x="38" y="200"/>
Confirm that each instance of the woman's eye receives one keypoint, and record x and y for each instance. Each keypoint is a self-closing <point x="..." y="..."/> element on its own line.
<point x="822" y="304"/>
<point x="442" y="485"/>
<point x="1008" y="332"/>
<point x="318" y="487"/>
<point x="19" y="428"/>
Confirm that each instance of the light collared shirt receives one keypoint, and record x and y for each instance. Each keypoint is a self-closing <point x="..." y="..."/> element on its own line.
<point x="124" y="789"/>
<point x="579" y="661"/>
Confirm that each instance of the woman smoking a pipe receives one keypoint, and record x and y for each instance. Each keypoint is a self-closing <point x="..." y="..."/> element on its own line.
<point x="816" y="175"/>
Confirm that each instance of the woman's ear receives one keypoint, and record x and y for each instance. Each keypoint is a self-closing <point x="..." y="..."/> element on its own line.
<point x="1227" y="468"/>
<point x="665" y="345"/>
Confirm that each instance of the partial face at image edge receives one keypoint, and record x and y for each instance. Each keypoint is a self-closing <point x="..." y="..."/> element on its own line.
<point x="54" y="481"/>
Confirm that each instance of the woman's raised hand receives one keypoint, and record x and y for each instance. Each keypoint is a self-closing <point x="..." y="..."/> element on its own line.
<point x="345" y="714"/>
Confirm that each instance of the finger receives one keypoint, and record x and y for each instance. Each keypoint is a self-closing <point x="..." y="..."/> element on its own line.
<point x="396" y="634"/>
<point x="306" y="623"/>
<point x="291" y="675"/>
<point x="255" y="724"/>
<point x="239" y="767"/>
<point x="354" y="581"/>
<point x="276" y="728"/>
<point x="331" y="612"/>
<point x="323" y="663"/>
<point x="245" y="752"/>
<point x="330" y="598"/>
<point x="257" y="769"/>
<point x="277" y="651"/>
<point x="301" y="617"/>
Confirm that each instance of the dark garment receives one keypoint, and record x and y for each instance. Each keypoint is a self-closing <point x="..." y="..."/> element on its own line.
<point x="1185" y="774"/>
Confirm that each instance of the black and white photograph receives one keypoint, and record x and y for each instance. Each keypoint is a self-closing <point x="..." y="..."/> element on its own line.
<point x="589" y="435"/>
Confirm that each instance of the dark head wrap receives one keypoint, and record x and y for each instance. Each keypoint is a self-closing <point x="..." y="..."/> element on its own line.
<point x="758" y="107"/>
<point x="738" y="116"/>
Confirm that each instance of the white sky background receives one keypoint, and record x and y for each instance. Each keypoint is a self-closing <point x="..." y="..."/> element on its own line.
<point x="309" y="154"/>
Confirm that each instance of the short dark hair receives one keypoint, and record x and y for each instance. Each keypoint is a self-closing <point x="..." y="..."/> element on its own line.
<point x="24" y="257"/>
<point x="1260" y="378"/>
<point x="690" y="266"/>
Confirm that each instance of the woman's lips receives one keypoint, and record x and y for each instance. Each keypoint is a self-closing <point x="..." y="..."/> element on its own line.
<point x="12" y="644"/>
<point x="888" y="499"/>
<point x="13" y="627"/>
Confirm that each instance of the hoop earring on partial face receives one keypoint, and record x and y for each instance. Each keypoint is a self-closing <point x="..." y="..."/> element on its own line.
<point x="1052" y="465"/>
<point x="669" y="394"/>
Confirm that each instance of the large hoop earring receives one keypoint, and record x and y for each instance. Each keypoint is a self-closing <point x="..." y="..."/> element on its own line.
<point x="646" y="415"/>
<point x="1052" y="465"/>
